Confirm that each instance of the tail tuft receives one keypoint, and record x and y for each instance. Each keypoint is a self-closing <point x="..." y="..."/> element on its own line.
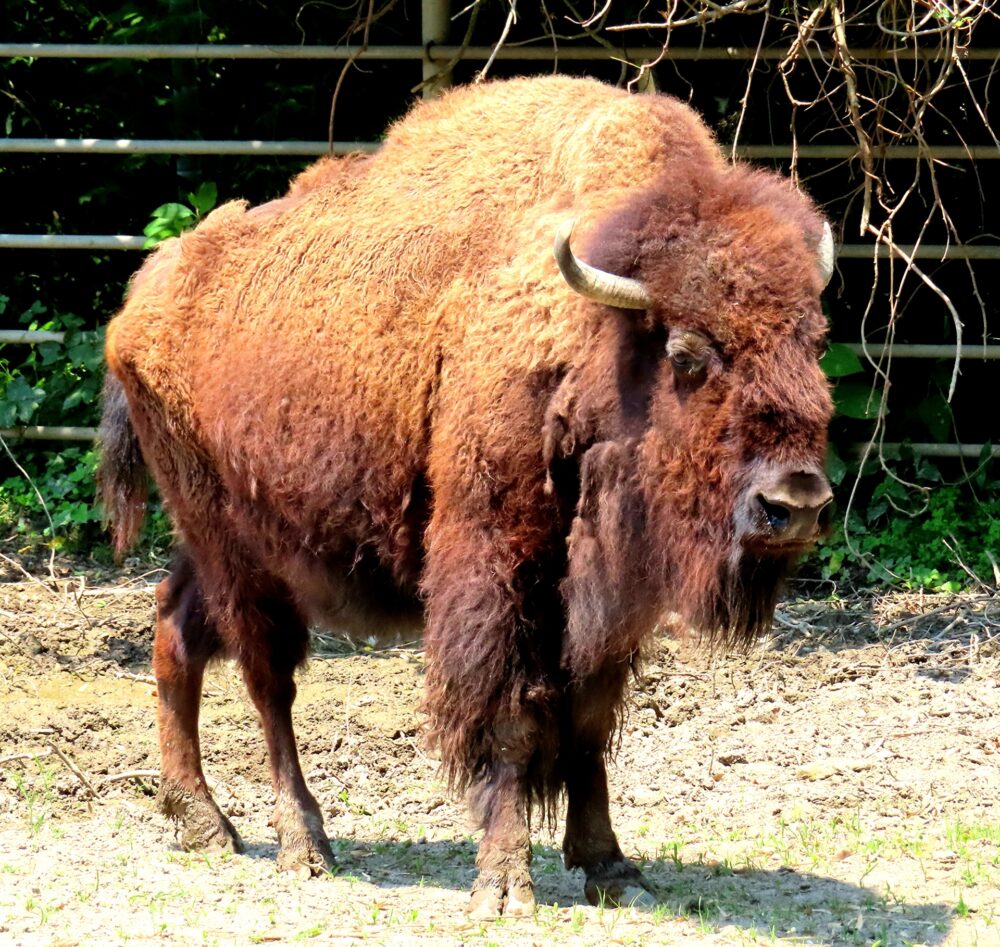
<point x="122" y="483"/>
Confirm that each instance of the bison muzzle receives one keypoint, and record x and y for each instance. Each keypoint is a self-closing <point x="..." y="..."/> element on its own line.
<point x="382" y="400"/>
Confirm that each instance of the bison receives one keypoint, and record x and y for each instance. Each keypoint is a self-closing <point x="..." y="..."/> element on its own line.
<point x="382" y="400"/>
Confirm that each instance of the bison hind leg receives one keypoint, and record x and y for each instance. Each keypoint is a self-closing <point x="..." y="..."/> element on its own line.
<point x="272" y="640"/>
<point x="184" y="642"/>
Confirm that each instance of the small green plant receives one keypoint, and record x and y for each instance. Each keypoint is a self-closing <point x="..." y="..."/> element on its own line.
<point x="171" y="220"/>
<point x="886" y="539"/>
<point x="906" y="525"/>
<point x="36" y="794"/>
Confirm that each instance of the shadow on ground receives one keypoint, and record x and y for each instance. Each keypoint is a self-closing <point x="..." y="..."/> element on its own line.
<point x="762" y="903"/>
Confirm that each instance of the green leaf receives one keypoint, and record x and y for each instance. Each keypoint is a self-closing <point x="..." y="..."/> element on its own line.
<point x="87" y="350"/>
<point x="839" y="361"/>
<point x="173" y="211"/>
<point x="84" y="393"/>
<point x="203" y="200"/>
<point x="857" y="399"/>
<point x="50" y="352"/>
<point x="35" y="309"/>
<point x="935" y="412"/>
<point x="836" y="468"/>
<point x="169" y="220"/>
<point x="69" y="320"/>
<point x="24" y="398"/>
<point x="876" y="509"/>
<point x="81" y="513"/>
<point x="928" y="470"/>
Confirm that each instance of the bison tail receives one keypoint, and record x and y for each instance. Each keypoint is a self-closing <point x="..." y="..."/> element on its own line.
<point x="122" y="483"/>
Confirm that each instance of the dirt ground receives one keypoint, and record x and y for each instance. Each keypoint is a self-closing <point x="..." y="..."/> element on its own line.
<point x="837" y="785"/>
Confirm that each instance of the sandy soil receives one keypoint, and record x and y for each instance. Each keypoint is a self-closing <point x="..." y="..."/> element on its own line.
<point x="837" y="785"/>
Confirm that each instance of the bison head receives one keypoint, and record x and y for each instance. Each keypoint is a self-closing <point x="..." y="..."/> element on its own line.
<point x="717" y="280"/>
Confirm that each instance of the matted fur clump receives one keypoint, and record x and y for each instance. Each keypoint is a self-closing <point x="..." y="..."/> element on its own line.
<point x="376" y="401"/>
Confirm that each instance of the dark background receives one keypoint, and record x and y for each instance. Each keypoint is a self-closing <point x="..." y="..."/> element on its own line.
<point x="290" y="100"/>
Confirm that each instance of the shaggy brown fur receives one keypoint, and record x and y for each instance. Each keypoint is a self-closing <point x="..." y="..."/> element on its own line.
<point x="377" y="396"/>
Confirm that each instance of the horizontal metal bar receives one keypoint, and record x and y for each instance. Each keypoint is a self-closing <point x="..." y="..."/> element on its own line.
<point x="926" y="251"/>
<point x="897" y="350"/>
<point x="178" y="146"/>
<point x="186" y="146"/>
<point x="62" y="241"/>
<point x="890" y="152"/>
<point x="230" y="51"/>
<point x="973" y="451"/>
<point x="54" y="433"/>
<point x="41" y="432"/>
<point x="446" y="53"/>
<point x="970" y="353"/>
<point x="29" y="336"/>
<point x="849" y="251"/>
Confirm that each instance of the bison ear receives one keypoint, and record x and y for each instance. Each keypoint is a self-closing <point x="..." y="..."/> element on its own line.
<point x="827" y="254"/>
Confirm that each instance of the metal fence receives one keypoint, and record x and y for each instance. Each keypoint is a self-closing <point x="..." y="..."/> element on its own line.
<point x="433" y="55"/>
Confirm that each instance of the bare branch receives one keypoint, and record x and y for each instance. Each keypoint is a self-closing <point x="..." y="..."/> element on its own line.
<point x="854" y="110"/>
<point x="511" y="20"/>
<point x="710" y="13"/>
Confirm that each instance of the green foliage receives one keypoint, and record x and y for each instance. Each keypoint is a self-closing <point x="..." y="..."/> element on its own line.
<point x="887" y="538"/>
<point x="852" y="398"/>
<point x="905" y="526"/>
<point x="839" y="361"/>
<point x="856" y="399"/>
<point x="171" y="220"/>
<point x="66" y="481"/>
<point x="55" y="382"/>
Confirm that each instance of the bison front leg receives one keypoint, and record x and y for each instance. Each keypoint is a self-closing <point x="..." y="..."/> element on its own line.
<point x="487" y="697"/>
<point x="590" y="842"/>
<point x="504" y="885"/>
<point x="184" y="642"/>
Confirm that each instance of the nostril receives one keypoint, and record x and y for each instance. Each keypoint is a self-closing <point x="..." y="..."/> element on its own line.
<point x="825" y="515"/>
<point x="778" y="517"/>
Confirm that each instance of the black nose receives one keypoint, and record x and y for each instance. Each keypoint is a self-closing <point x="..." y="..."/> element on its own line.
<point x="791" y="505"/>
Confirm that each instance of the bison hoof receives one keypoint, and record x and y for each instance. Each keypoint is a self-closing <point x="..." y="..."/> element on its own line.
<point x="303" y="845"/>
<point x="306" y="857"/>
<point x="618" y="884"/>
<point x="499" y="893"/>
<point x="200" y="823"/>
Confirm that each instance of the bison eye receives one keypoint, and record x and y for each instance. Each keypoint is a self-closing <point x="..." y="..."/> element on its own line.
<point x="688" y="353"/>
<point x="686" y="364"/>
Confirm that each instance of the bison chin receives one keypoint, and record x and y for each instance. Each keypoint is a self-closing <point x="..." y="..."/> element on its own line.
<point x="638" y="552"/>
<point x="719" y="581"/>
<point x="721" y="591"/>
<point x="723" y="538"/>
<point x="749" y="587"/>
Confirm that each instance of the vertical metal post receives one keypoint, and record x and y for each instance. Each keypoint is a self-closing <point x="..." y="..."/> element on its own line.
<point x="434" y="19"/>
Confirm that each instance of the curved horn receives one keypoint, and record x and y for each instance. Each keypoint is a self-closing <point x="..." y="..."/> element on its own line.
<point x="827" y="253"/>
<point x="594" y="283"/>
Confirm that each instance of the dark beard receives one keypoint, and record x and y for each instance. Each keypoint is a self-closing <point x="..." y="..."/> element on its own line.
<point x="748" y="592"/>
